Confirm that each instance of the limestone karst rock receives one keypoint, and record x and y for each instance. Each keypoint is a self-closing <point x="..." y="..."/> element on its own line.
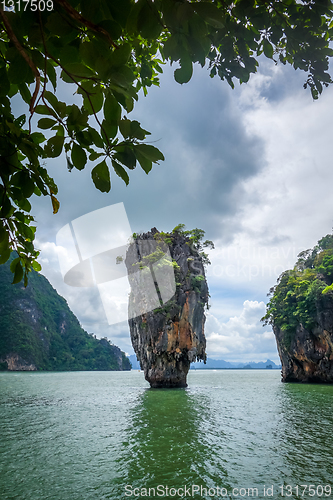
<point x="166" y="307"/>
<point x="300" y="311"/>
<point x="308" y="355"/>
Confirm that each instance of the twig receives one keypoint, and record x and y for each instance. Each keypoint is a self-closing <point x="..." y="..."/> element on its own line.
<point x="78" y="17"/>
<point x="25" y="56"/>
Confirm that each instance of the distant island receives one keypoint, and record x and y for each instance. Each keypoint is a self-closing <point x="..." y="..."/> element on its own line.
<point x="300" y="311"/>
<point x="220" y="364"/>
<point x="38" y="331"/>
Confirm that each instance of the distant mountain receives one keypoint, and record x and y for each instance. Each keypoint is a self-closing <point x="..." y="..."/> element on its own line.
<point x="134" y="362"/>
<point x="38" y="331"/>
<point x="215" y="364"/>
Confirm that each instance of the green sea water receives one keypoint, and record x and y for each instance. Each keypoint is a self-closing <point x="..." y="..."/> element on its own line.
<point x="106" y="435"/>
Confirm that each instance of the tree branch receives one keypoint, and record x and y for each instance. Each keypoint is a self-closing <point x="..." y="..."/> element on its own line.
<point x="25" y="55"/>
<point x="77" y="16"/>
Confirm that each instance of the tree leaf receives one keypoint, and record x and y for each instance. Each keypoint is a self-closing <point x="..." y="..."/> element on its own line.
<point x="51" y="73"/>
<point x="184" y="73"/>
<point x="110" y="129"/>
<point x="13" y="264"/>
<point x="55" y="204"/>
<point x="112" y="110"/>
<point x="125" y="127"/>
<point x="18" y="273"/>
<point x="4" y="255"/>
<point x="145" y="164"/>
<point x="45" y="123"/>
<point x="210" y="13"/>
<point x="126" y="156"/>
<point x="94" y="102"/>
<point x="150" y="152"/>
<point x="79" y="157"/>
<point x="121" y="172"/>
<point x="36" y="265"/>
<point x="54" y="146"/>
<point x="268" y="48"/>
<point x="101" y="177"/>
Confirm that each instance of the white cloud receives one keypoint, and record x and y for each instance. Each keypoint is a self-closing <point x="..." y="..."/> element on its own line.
<point x="242" y="337"/>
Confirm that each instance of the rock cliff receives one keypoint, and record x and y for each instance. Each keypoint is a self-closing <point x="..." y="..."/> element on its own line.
<point x="300" y="311"/>
<point x="166" y="271"/>
<point x="307" y="356"/>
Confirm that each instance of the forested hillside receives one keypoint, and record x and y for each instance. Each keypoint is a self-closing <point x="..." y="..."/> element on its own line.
<point x="39" y="331"/>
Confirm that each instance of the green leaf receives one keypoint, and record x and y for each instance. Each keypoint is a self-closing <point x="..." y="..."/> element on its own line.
<point x="24" y="205"/>
<point x="94" y="102"/>
<point x="126" y="156"/>
<point x="145" y="164"/>
<point x="121" y="172"/>
<point x="51" y="73"/>
<point x="5" y="84"/>
<point x="150" y="152"/>
<point x="79" y="157"/>
<point x="137" y="131"/>
<point x="110" y="129"/>
<point x="4" y="255"/>
<point x="125" y="127"/>
<point x="41" y="109"/>
<point x="36" y="265"/>
<point x="184" y="73"/>
<point x="18" y="273"/>
<point x="98" y="141"/>
<point x="54" y="146"/>
<point x="45" y="123"/>
<point x="14" y="263"/>
<point x="112" y="110"/>
<point x="37" y="137"/>
<point x="149" y="22"/>
<point x="19" y="71"/>
<point x="25" y="92"/>
<point x="210" y="13"/>
<point x="101" y="177"/>
<point x="268" y="48"/>
<point x="120" y="56"/>
<point x="78" y="70"/>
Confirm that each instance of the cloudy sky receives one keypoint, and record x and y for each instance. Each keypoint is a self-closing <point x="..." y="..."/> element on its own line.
<point x="249" y="166"/>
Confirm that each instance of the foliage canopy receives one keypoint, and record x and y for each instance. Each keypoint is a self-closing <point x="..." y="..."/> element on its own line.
<point x="297" y="296"/>
<point x="109" y="51"/>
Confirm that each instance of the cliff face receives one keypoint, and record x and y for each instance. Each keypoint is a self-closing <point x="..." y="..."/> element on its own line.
<point x="300" y="311"/>
<point x="307" y="355"/>
<point x="171" y="336"/>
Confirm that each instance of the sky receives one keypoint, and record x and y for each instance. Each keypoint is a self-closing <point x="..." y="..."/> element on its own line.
<point x="251" y="166"/>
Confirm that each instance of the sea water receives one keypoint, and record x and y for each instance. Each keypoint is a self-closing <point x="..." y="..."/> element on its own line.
<point x="107" y="435"/>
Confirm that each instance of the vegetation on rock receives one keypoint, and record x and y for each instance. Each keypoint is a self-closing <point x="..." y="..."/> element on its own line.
<point x="297" y="297"/>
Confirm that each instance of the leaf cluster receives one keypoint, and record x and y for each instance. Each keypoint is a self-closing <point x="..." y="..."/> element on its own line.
<point x="108" y="52"/>
<point x="298" y="295"/>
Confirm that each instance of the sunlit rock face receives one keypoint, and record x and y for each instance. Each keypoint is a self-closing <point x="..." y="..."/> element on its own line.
<point x="166" y="306"/>
<point x="307" y="356"/>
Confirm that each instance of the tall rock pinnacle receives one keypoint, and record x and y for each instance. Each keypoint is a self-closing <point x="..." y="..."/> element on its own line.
<point x="166" y="306"/>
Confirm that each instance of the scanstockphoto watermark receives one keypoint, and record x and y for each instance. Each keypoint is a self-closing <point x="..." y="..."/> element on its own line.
<point x="200" y="491"/>
<point x="250" y="262"/>
<point x="194" y="491"/>
<point x="92" y="251"/>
